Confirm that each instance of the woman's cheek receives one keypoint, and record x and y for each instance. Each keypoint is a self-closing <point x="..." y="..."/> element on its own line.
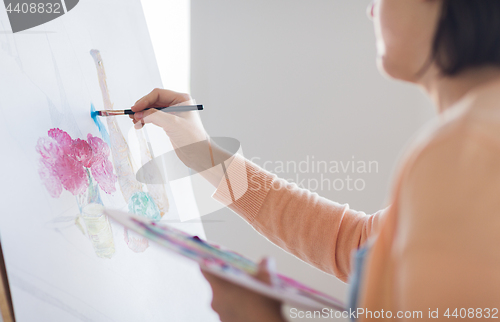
<point x="393" y="55"/>
<point x="385" y="56"/>
<point x="379" y="38"/>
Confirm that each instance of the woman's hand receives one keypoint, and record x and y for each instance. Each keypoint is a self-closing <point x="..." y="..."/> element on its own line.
<point x="234" y="303"/>
<point x="183" y="128"/>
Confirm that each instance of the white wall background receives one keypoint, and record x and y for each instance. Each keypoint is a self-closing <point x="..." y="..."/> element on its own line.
<point x="169" y="28"/>
<point x="291" y="79"/>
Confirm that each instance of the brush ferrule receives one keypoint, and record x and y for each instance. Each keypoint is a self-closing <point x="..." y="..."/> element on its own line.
<point x="111" y="113"/>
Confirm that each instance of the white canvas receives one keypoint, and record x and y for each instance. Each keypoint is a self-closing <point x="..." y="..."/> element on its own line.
<point x="62" y="266"/>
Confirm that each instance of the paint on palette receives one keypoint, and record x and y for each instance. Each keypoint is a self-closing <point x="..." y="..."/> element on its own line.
<point x="195" y="248"/>
<point x="223" y="260"/>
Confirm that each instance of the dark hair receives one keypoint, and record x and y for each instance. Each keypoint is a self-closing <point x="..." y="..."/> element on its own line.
<point x="467" y="35"/>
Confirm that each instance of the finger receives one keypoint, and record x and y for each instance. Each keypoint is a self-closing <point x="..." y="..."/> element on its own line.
<point x="267" y="271"/>
<point x="138" y="125"/>
<point x="159" y="98"/>
<point x="138" y="116"/>
<point x="162" y="119"/>
<point x="147" y="101"/>
<point x="133" y="119"/>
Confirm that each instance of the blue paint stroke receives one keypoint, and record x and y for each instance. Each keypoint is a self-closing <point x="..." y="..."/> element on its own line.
<point x="99" y="124"/>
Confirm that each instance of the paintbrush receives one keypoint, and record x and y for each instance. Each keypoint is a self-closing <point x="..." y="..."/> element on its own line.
<point x="164" y="109"/>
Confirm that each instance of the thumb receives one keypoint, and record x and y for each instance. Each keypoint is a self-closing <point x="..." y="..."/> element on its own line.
<point x="267" y="271"/>
<point x="158" y="118"/>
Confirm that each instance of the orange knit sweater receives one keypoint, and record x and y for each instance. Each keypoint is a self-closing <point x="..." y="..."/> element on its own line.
<point x="434" y="247"/>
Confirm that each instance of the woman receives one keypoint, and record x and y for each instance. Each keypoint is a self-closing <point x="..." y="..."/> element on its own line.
<point x="435" y="246"/>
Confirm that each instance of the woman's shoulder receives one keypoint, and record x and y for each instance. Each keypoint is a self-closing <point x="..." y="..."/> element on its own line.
<point x="476" y="119"/>
<point x="471" y="127"/>
<point x="461" y="144"/>
<point x="447" y="196"/>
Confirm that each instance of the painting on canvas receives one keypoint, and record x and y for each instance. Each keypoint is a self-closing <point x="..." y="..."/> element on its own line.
<point x="62" y="164"/>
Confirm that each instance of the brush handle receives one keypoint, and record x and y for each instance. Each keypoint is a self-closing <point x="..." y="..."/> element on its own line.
<point x="179" y="108"/>
<point x="173" y="109"/>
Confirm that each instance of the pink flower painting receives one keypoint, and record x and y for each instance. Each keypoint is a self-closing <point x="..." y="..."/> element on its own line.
<point x="67" y="163"/>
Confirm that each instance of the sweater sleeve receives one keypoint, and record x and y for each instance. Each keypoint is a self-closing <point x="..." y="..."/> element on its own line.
<point x="319" y="231"/>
